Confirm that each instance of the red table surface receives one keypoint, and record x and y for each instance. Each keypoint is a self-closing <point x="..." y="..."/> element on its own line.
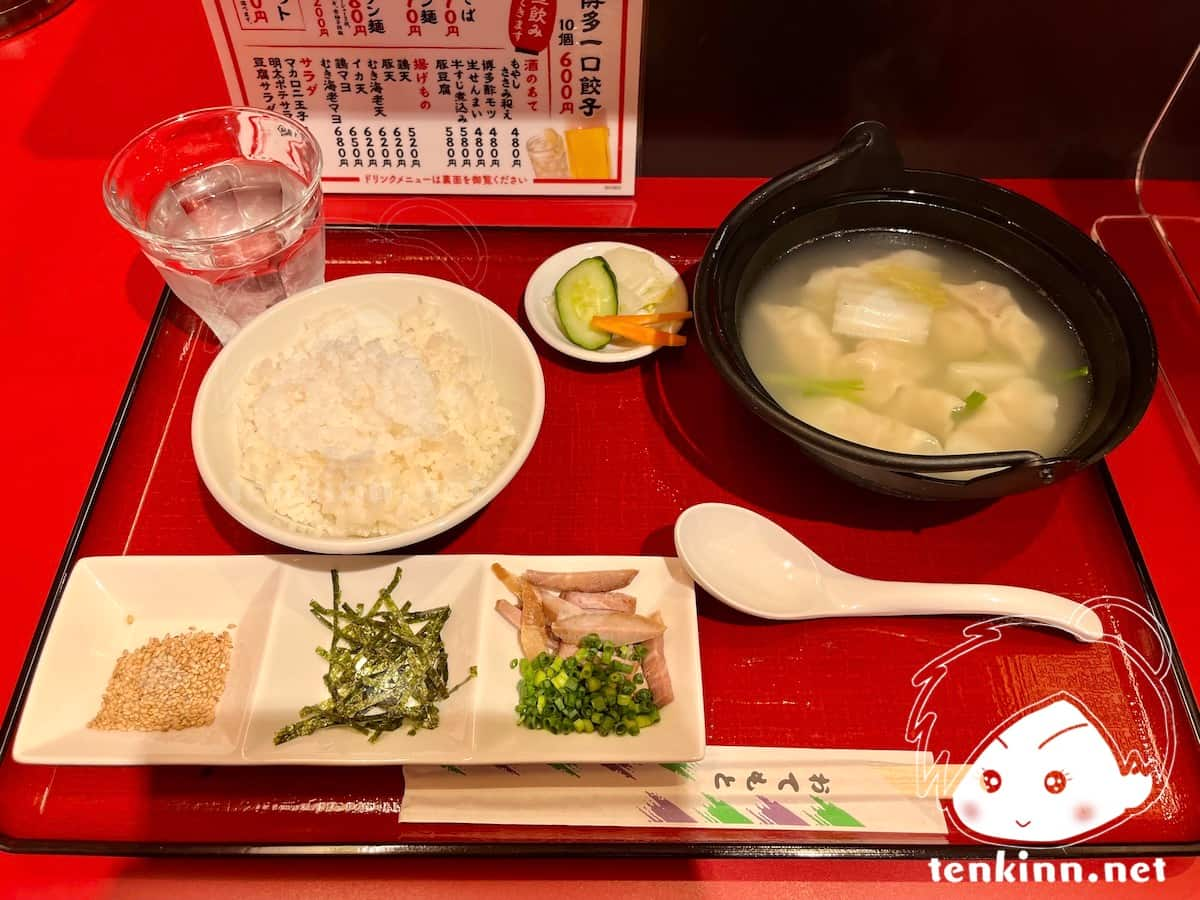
<point x="77" y="301"/>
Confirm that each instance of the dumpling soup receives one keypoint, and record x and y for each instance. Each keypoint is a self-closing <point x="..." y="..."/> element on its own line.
<point x="902" y="343"/>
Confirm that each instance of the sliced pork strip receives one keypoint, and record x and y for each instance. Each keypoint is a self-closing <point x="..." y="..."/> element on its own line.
<point x="613" y="600"/>
<point x="509" y="580"/>
<point x="533" y="623"/>
<point x="557" y="607"/>
<point x="609" y="580"/>
<point x="654" y="668"/>
<point x="510" y="613"/>
<point x="553" y="606"/>
<point x="618" y="627"/>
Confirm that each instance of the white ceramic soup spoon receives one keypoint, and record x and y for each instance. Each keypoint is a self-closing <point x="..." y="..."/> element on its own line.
<point x="753" y="565"/>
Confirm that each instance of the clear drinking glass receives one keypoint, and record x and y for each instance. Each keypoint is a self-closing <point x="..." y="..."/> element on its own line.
<point x="17" y="15"/>
<point x="226" y="203"/>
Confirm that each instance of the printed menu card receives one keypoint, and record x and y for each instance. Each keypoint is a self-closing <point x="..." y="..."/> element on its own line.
<point x="446" y="96"/>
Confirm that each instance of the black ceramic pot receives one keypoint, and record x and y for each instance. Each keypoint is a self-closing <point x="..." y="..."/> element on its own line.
<point x="863" y="185"/>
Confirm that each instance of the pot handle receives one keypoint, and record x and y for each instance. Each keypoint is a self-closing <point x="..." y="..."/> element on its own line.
<point x="1022" y="464"/>
<point x="865" y="157"/>
<point x="965" y="462"/>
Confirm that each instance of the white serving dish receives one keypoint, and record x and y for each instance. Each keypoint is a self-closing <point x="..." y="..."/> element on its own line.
<point x="488" y="333"/>
<point x="275" y="670"/>
<point x="539" y="303"/>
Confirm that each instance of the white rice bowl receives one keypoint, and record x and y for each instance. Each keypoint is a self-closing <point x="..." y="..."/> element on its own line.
<point x="368" y="413"/>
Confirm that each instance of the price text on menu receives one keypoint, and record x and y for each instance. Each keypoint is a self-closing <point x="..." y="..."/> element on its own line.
<point x="446" y="96"/>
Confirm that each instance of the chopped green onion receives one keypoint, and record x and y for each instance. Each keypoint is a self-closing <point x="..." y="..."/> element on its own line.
<point x="1072" y="374"/>
<point x="832" y="388"/>
<point x="846" y="388"/>
<point x="970" y="406"/>
<point x="577" y="694"/>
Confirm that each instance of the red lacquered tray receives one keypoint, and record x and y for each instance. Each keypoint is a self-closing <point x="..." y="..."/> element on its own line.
<point x="623" y="450"/>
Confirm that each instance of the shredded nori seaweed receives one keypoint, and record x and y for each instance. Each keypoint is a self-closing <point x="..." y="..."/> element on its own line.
<point x="387" y="667"/>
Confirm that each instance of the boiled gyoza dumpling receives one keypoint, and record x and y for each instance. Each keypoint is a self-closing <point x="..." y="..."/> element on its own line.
<point x="801" y="340"/>
<point x="1028" y="404"/>
<point x="820" y="291"/>
<point x="985" y="430"/>
<point x="1020" y="415"/>
<point x="983" y="376"/>
<point x="883" y="366"/>
<point x="1010" y="326"/>
<point x="956" y="333"/>
<point x="926" y="408"/>
<point x="855" y="423"/>
<point x="913" y="259"/>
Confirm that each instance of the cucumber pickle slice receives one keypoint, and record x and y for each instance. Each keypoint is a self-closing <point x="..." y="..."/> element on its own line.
<point x="587" y="289"/>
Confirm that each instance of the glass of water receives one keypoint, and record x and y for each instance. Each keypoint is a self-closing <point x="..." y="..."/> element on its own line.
<point x="226" y="203"/>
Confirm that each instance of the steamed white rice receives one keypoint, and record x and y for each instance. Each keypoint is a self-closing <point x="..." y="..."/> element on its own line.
<point x="370" y="424"/>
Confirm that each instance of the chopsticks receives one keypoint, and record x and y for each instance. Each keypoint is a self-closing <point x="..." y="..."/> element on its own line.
<point x="909" y="779"/>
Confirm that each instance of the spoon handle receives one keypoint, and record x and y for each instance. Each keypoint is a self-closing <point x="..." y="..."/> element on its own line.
<point x="863" y="597"/>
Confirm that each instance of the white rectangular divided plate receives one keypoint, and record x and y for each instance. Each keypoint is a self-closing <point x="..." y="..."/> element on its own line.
<point x="275" y="670"/>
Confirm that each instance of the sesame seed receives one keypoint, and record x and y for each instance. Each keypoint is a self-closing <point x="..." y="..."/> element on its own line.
<point x="167" y="684"/>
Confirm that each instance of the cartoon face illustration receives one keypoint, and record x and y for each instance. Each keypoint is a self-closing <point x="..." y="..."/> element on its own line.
<point x="1048" y="777"/>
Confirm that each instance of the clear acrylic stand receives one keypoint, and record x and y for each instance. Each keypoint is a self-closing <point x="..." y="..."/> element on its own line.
<point x="1158" y="246"/>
